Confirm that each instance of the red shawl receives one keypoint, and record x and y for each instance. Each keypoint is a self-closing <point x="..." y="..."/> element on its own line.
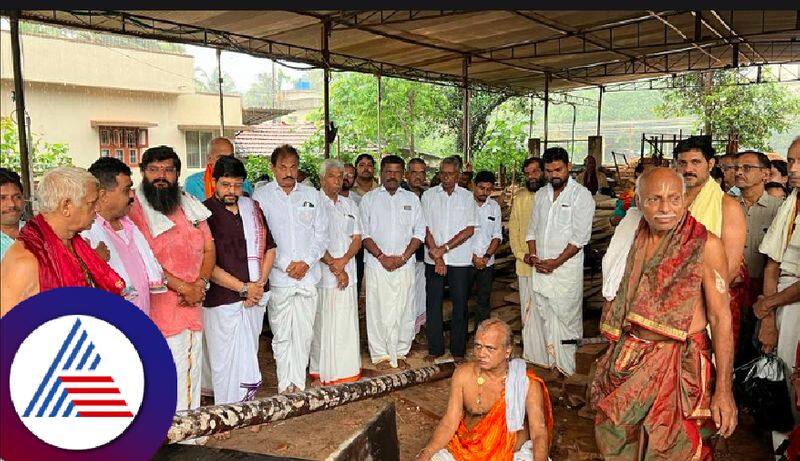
<point x="58" y="267"/>
<point x="660" y="294"/>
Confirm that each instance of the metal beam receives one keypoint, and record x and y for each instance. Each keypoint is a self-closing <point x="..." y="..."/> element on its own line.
<point x="22" y="129"/>
<point x="326" y="76"/>
<point x="546" y="105"/>
<point x="567" y="31"/>
<point x="580" y="33"/>
<point x="599" y="109"/>
<point x="221" y="99"/>
<point x="385" y="18"/>
<point x="446" y="49"/>
<point x="465" y="109"/>
<point x="380" y="97"/>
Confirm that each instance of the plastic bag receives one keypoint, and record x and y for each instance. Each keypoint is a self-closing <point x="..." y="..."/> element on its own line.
<point x="760" y="386"/>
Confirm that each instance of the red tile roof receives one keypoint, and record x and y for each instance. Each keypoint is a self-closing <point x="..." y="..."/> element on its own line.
<point x="262" y="139"/>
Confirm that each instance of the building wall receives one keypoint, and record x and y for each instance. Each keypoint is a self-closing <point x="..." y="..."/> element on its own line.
<point x="62" y="100"/>
<point x="72" y="62"/>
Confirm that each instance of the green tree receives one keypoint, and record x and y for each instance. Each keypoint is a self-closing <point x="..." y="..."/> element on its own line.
<point x="481" y="106"/>
<point x="410" y="112"/>
<point x="205" y="82"/>
<point x="43" y="156"/>
<point x="260" y="92"/>
<point x="753" y="112"/>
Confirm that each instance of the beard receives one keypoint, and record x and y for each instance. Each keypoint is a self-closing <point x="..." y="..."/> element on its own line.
<point x="533" y="186"/>
<point x="346" y="186"/>
<point x="164" y="200"/>
<point x="557" y="182"/>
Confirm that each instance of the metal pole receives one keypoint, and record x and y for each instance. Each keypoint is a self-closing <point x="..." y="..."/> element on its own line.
<point x="214" y="419"/>
<point x="465" y="109"/>
<point x="530" y="121"/>
<point x="599" y="108"/>
<point x="221" y="104"/>
<point x="326" y="58"/>
<point x="380" y="95"/>
<point x="274" y="92"/>
<point x="22" y="129"/>
<point x="546" y="104"/>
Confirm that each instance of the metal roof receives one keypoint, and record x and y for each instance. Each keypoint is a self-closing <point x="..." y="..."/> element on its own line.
<point x="502" y="50"/>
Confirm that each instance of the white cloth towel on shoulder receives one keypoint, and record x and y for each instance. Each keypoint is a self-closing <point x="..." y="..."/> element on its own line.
<point x="617" y="253"/>
<point x="158" y="222"/>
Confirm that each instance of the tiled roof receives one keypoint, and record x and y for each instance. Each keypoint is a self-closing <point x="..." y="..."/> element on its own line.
<point x="262" y="139"/>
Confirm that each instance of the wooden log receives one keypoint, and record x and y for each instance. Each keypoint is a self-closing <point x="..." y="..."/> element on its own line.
<point x="214" y="419"/>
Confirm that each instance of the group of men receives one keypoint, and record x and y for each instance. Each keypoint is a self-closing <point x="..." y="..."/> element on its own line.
<point x="693" y="275"/>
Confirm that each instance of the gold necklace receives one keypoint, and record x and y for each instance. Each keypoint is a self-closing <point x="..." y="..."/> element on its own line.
<point x="481" y="381"/>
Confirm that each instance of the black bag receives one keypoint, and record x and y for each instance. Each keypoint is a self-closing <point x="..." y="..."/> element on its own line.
<point x="760" y="387"/>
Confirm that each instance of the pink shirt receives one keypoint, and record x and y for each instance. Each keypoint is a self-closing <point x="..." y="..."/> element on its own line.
<point x="180" y="252"/>
<point x="125" y="253"/>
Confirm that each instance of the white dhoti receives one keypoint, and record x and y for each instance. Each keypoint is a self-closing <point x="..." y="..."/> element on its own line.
<point x="418" y="300"/>
<point x="525" y="453"/>
<point x="255" y="319"/>
<point x="291" y="319"/>
<point x="532" y="322"/>
<point x="390" y="318"/>
<point x="335" y="356"/>
<point x="787" y="318"/>
<point x="556" y="314"/>
<point x="235" y="376"/>
<point x="187" y="353"/>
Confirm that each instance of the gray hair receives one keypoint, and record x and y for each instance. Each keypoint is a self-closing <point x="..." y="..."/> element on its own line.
<point x="499" y="323"/>
<point x="452" y="160"/>
<point x="639" y="183"/>
<point x="66" y="182"/>
<point x="328" y="164"/>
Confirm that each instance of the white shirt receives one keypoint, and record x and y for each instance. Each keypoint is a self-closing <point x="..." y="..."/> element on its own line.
<point x="344" y="223"/>
<point x="488" y="226"/>
<point x="299" y="225"/>
<point x="446" y="216"/>
<point x="391" y="221"/>
<point x="568" y="220"/>
<point x="354" y="196"/>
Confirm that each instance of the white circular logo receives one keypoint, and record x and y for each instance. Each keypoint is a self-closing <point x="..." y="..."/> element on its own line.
<point x="77" y="382"/>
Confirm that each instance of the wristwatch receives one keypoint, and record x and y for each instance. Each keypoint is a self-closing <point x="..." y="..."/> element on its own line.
<point x="446" y="248"/>
<point x="243" y="291"/>
<point x="207" y="282"/>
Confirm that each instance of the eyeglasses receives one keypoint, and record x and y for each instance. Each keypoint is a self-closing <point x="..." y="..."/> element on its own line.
<point x="162" y="169"/>
<point x="747" y="168"/>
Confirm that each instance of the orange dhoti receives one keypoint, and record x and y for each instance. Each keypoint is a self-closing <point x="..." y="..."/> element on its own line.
<point x="490" y="438"/>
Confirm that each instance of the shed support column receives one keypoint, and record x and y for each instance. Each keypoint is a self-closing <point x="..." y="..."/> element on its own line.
<point x="326" y="58"/>
<point x="219" y="87"/>
<point x="380" y="95"/>
<point x="546" y="104"/>
<point x="465" y="110"/>
<point x="600" y="108"/>
<point x="22" y="129"/>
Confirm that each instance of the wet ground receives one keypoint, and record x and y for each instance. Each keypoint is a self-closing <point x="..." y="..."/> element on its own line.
<point x="419" y="408"/>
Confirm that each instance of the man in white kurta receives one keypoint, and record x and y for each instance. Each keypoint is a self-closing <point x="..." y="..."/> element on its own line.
<point x="779" y="308"/>
<point x="335" y="356"/>
<point x="449" y="211"/>
<point x="521" y="207"/>
<point x="560" y="226"/>
<point x="393" y="228"/>
<point x="245" y="255"/>
<point x="484" y="242"/>
<point x="299" y="225"/>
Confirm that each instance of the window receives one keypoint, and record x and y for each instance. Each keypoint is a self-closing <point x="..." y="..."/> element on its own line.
<point x="124" y="142"/>
<point x="197" y="147"/>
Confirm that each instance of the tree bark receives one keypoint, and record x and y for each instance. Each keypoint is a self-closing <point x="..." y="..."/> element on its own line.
<point x="214" y="419"/>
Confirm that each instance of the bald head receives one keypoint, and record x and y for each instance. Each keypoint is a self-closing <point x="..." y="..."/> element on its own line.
<point x="219" y="147"/>
<point x="661" y="196"/>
